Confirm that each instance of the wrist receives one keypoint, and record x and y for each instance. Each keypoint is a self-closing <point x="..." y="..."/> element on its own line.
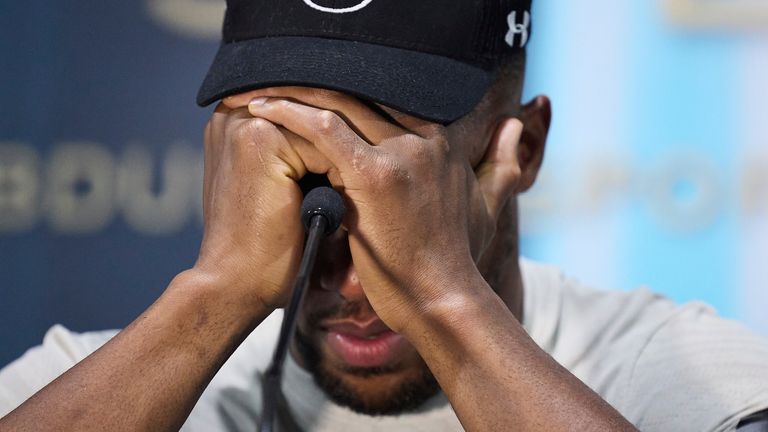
<point x="462" y="304"/>
<point x="190" y="328"/>
<point x="210" y="293"/>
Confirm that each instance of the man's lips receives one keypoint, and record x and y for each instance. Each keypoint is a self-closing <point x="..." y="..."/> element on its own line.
<point x="365" y="345"/>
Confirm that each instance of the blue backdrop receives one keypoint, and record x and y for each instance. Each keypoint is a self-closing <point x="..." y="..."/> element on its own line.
<point x="655" y="172"/>
<point x="91" y="88"/>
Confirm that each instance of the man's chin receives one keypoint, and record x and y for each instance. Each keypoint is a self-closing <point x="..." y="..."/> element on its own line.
<point x="377" y="391"/>
<point x="387" y="389"/>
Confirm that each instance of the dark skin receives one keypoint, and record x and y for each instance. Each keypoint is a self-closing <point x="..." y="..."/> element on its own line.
<point x="452" y="289"/>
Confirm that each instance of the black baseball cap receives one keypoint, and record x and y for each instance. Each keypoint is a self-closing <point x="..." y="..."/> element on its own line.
<point x="429" y="58"/>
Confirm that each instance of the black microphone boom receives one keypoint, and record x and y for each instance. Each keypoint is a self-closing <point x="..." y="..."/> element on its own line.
<point x="321" y="213"/>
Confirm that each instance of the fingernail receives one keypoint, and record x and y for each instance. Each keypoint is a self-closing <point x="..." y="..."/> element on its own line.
<point x="259" y="101"/>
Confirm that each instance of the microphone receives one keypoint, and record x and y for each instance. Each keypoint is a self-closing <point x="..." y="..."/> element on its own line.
<point x="322" y="212"/>
<point x="325" y="202"/>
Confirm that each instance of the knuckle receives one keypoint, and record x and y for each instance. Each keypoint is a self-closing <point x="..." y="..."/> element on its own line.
<point x="259" y="125"/>
<point x="420" y="153"/>
<point x="443" y="147"/>
<point x="435" y="131"/>
<point x="280" y="103"/>
<point x="257" y="128"/>
<point x="328" y="123"/>
<point x="387" y="175"/>
<point x="251" y="131"/>
<point x="439" y="140"/>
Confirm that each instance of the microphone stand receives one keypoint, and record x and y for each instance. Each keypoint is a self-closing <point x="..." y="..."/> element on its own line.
<point x="322" y="212"/>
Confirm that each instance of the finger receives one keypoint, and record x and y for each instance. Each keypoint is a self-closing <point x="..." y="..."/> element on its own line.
<point x="422" y="128"/>
<point x="305" y="153"/>
<point x="499" y="170"/>
<point x="365" y="121"/>
<point x="327" y="131"/>
<point x="304" y="157"/>
<point x="296" y="151"/>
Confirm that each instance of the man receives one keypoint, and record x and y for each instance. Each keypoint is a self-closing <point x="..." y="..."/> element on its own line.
<point x="420" y="315"/>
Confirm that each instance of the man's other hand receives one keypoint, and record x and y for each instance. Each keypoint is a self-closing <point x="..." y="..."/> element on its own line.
<point x="251" y="201"/>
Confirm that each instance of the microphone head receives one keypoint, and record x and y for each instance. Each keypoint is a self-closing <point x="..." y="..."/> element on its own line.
<point x="326" y="202"/>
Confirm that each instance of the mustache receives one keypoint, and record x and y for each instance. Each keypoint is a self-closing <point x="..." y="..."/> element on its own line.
<point x="341" y="310"/>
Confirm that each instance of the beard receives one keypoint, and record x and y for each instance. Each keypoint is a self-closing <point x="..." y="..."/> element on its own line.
<point x="386" y="390"/>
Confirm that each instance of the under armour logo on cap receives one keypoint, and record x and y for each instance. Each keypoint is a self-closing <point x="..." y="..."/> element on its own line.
<point x="516" y="28"/>
<point x="337" y="10"/>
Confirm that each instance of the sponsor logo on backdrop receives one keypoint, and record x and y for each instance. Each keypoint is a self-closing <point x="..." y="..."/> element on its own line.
<point x="718" y="13"/>
<point x="200" y="19"/>
<point x="81" y="188"/>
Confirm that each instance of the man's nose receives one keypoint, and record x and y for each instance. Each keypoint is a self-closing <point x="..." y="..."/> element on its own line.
<point x="345" y="281"/>
<point x="336" y="269"/>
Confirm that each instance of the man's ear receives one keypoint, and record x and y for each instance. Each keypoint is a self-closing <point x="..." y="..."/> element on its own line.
<point x="536" y="116"/>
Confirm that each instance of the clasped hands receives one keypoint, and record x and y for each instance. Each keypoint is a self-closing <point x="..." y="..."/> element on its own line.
<point x="423" y="199"/>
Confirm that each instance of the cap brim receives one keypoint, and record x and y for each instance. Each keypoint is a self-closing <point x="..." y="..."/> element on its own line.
<point x="431" y="87"/>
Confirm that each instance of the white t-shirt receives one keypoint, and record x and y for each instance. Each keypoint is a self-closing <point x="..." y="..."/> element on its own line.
<point x="664" y="367"/>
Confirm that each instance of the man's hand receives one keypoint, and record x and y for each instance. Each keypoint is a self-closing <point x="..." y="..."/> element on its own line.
<point x="150" y="376"/>
<point x="420" y="215"/>
<point x="251" y="199"/>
